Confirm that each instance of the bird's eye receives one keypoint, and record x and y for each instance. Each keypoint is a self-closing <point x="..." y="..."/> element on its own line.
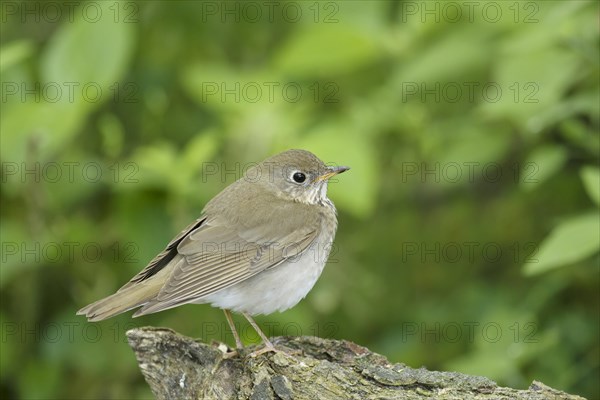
<point x="299" y="177"/>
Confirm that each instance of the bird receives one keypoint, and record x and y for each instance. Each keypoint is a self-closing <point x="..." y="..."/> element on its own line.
<point x="258" y="247"/>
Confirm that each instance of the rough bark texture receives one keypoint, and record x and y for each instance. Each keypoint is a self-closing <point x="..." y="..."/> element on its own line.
<point x="178" y="367"/>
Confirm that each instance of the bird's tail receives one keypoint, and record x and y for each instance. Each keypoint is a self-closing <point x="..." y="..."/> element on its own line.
<point x="131" y="297"/>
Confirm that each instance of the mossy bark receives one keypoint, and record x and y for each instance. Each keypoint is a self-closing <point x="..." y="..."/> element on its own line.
<point x="178" y="367"/>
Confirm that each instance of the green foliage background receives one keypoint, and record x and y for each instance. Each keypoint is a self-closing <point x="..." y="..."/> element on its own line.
<point x="487" y="274"/>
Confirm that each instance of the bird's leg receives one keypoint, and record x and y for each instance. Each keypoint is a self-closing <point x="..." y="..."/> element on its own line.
<point x="268" y="345"/>
<point x="238" y="342"/>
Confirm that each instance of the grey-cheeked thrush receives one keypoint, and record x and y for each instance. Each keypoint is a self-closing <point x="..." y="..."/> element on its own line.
<point x="258" y="247"/>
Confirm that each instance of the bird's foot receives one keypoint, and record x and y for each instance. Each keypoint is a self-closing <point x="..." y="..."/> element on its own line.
<point x="230" y="354"/>
<point x="227" y="351"/>
<point x="268" y="348"/>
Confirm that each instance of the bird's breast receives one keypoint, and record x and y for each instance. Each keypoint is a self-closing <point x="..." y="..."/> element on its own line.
<point x="278" y="288"/>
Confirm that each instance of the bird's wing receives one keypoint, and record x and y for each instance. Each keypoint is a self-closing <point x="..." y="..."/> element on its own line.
<point x="217" y="256"/>
<point x="163" y="259"/>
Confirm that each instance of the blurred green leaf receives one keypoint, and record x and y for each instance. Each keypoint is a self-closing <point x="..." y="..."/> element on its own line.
<point x="437" y="61"/>
<point x="89" y="52"/>
<point x="566" y="111"/>
<point x="572" y="240"/>
<point x="14" y="52"/>
<point x="591" y="181"/>
<point x="545" y="161"/>
<point x="326" y="50"/>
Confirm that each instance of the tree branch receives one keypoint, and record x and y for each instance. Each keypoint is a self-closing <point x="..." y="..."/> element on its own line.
<point x="178" y="367"/>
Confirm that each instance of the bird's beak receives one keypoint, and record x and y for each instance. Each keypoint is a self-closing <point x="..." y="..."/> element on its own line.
<point x="331" y="171"/>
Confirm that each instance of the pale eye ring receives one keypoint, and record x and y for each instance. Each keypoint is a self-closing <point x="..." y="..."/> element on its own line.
<point x="299" y="177"/>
